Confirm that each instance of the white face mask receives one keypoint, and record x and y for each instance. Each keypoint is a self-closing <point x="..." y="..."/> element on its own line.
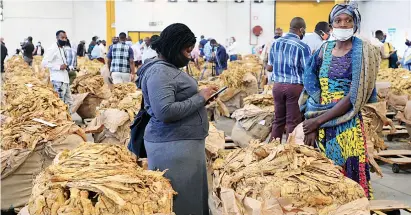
<point x="341" y="34"/>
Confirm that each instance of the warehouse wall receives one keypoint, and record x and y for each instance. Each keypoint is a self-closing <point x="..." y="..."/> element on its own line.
<point x="41" y="19"/>
<point x="219" y="20"/>
<point x="384" y="14"/>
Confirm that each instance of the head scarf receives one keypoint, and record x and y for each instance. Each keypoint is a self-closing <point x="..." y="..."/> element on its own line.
<point x="349" y="9"/>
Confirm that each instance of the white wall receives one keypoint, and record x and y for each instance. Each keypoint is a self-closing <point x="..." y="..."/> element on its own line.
<point x="41" y="19"/>
<point x="384" y="14"/>
<point x="219" y="20"/>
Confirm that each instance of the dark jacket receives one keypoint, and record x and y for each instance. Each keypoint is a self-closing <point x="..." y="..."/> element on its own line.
<point x="28" y="48"/>
<point x="81" y="50"/>
<point x="222" y="57"/>
<point x="171" y="98"/>
<point x="3" y="56"/>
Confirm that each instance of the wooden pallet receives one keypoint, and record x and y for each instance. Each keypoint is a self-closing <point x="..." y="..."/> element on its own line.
<point x="382" y="207"/>
<point x="229" y="143"/>
<point x="399" y="159"/>
<point x="401" y="132"/>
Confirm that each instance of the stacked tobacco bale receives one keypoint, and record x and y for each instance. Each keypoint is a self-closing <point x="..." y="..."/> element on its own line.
<point x="241" y="84"/>
<point x="399" y="92"/>
<point x="216" y="108"/>
<point x="88" y="66"/>
<point x="88" y="90"/>
<point x="35" y="126"/>
<point x="193" y="70"/>
<point x="115" y="115"/>
<point x="99" y="179"/>
<point x="254" y="120"/>
<point x="283" y="179"/>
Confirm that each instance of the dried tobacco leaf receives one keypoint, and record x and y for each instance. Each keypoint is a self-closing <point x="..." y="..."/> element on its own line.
<point x="99" y="179"/>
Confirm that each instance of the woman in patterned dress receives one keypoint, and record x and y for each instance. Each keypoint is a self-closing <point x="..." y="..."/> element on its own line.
<point x="338" y="81"/>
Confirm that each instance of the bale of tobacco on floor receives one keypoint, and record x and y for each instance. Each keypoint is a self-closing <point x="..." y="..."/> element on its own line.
<point x="254" y="120"/>
<point x="115" y="115"/>
<point x="89" y="90"/>
<point x="399" y="90"/>
<point x="282" y="179"/>
<point x="35" y="126"/>
<point x="95" y="179"/>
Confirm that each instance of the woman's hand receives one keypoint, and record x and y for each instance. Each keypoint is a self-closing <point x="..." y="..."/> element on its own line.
<point x="310" y="125"/>
<point x="309" y="139"/>
<point x="208" y="92"/>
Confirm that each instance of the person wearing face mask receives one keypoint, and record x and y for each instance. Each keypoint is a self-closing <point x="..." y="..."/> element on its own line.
<point x="339" y="81"/>
<point x="388" y="53"/>
<point x="288" y="58"/>
<point x="321" y="34"/>
<point x="175" y="135"/>
<point x="265" y="53"/>
<point x="121" y="61"/>
<point x="39" y="50"/>
<point x="55" y="58"/>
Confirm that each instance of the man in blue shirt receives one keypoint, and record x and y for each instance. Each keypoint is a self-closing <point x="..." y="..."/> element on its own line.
<point x="220" y="56"/>
<point x="288" y="58"/>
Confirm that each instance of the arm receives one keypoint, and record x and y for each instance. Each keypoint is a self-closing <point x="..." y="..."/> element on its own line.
<point x="109" y="58"/>
<point x="131" y="60"/>
<point x="161" y="93"/>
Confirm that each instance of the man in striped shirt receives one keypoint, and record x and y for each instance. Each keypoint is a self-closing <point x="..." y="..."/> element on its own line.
<point x="288" y="58"/>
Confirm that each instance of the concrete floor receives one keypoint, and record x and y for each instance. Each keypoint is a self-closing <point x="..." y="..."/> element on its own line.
<point x="392" y="186"/>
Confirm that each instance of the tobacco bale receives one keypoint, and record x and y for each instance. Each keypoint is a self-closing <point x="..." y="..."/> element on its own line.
<point x="105" y="174"/>
<point x="289" y="176"/>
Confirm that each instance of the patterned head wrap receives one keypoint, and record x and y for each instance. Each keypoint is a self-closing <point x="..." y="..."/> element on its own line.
<point x="349" y="9"/>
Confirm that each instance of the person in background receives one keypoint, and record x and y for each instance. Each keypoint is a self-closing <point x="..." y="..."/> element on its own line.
<point x="220" y="57"/>
<point x="145" y="45"/>
<point x="92" y="44"/>
<point x="288" y="57"/>
<point x="4" y="54"/>
<point x="195" y="54"/>
<point x="406" y="60"/>
<point x="28" y="49"/>
<point x="39" y="50"/>
<point x="17" y="52"/>
<point x="103" y="48"/>
<point x="129" y="41"/>
<point x="208" y="50"/>
<point x="114" y="40"/>
<point x="265" y="53"/>
<point x="232" y="49"/>
<point x="387" y="52"/>
<point x="55" y="59"/>
<point x="121" y="61"/>
<point x="81" y="48"/>
<point x="337" y="86"/>
<point x="202" y="43"/>
<point x="141" y="42"/>
<point x="175" y="135"/>
<point x="320" y="35"/>
<point x="148" y="52"/>
<point x="97" y="54"/>
<point x="137" y="54"/>
<point x="71" y="61"/>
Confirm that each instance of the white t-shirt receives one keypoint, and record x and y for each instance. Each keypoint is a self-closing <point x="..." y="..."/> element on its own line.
<point x="232" y="49"/>
<point x="314" y="41"/>
<point x="96" y="52"/>
<point x="137" y="51"/>
<point x="102" y="49"/>
<point x="148" y="53"/>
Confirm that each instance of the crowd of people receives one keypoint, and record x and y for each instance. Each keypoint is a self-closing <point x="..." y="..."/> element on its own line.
<point x="319" y="80"/>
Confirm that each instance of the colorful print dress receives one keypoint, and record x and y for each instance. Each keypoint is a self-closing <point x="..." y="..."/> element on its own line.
<point x="344" y="143"/>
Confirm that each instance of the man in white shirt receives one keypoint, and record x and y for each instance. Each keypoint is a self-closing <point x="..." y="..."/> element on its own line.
<point x="320" y="35"/>
<point x="232" y="49"/>
<point x="103" y="48"/>
<point x="266" y="52"/>
<point x="137" y="54"/>
<point x="56" y="60"/>
<point x="148" y="52"/>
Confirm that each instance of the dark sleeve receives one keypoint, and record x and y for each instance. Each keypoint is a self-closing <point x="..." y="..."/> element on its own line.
<point x="109" y="54"/>
<point x="161" y="93"/>
<point x="130" y="53"/>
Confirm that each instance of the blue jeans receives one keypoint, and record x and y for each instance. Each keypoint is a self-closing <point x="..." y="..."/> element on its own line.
<point x="64" y="92"/>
